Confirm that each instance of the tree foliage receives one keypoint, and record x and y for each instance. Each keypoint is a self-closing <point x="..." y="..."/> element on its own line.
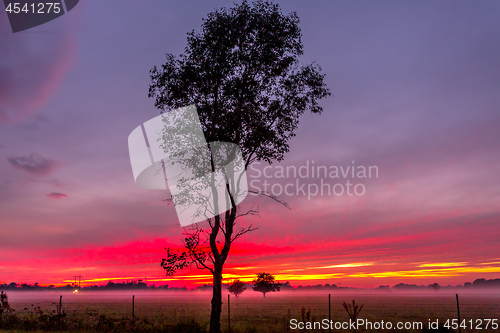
<point x="237" y="287"/>
<point x="265" y="283"/>
<point x="243" y="74"/>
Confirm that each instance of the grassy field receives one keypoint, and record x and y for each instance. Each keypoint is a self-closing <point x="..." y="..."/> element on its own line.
<point x="97" y="311"/>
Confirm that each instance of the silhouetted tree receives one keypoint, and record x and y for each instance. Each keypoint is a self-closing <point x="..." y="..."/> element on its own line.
<point x="265" y="283"/>
<point x="242" y="73"/>
<point x="237" y="287"/>
<point x="435" y="286"/>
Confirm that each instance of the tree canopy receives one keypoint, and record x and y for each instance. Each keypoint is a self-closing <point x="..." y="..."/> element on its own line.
<point x="237" y="287"/>
<point x="265" y="283"/>
<point x="243" y="74"/>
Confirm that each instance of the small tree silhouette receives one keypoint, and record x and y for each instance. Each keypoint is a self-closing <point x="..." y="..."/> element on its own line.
<point x="435" y="286"/>
<point x="4" y="303"/>
<point x="265" y="283"/>
<point x="352" y="310"/>
<point x="237" y="287"/>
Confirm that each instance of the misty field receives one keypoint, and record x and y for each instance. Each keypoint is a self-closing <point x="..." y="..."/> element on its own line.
<point x="112" y="311"/>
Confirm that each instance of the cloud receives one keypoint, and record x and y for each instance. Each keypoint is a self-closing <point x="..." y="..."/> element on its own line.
<point x="34" y="164"/>
<point x="32" y="66"/>
<point x="56" y="195"/>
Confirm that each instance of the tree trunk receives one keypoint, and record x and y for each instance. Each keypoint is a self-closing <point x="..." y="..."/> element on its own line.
<point x="216" y="300"/>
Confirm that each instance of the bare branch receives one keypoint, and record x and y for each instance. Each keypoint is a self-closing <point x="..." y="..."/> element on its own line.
<point x="252" y="211"/>
<point x="242" y="232"/>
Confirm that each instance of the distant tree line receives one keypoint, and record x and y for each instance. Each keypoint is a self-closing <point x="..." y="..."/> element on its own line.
<point x="141" y="285"/>
<point x="478" y="283"/>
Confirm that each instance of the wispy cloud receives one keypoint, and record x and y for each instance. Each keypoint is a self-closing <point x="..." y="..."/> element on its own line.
<point x="34" y="164"/>
<point x="56" y="195"/>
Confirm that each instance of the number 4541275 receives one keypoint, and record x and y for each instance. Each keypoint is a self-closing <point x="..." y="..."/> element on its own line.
<point x="39" y="8"/>
<point x="478" y="324"/>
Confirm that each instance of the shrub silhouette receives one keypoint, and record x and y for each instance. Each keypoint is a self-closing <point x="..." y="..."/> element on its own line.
<point x="353" y="310"/>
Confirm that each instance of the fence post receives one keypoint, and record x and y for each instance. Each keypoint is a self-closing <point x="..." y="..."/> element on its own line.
<point x="133" y="307"/>
<point x="60" y="304"/>
<point x="229" y="313"/>
<point x="458" y="310"/>
<point x="329" y="313"/>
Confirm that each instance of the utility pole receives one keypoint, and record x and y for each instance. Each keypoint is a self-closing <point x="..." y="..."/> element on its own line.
<point x="78" y="279"/>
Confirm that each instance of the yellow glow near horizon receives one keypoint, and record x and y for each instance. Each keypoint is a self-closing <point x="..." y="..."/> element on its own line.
<point x="444" y="264"/>
<point x="430" y="270"/>
<point x="348" y="265"/>
<point x="443" y="272"/>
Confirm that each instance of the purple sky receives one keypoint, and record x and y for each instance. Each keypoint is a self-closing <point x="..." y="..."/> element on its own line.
<point x="416" y="89"/>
